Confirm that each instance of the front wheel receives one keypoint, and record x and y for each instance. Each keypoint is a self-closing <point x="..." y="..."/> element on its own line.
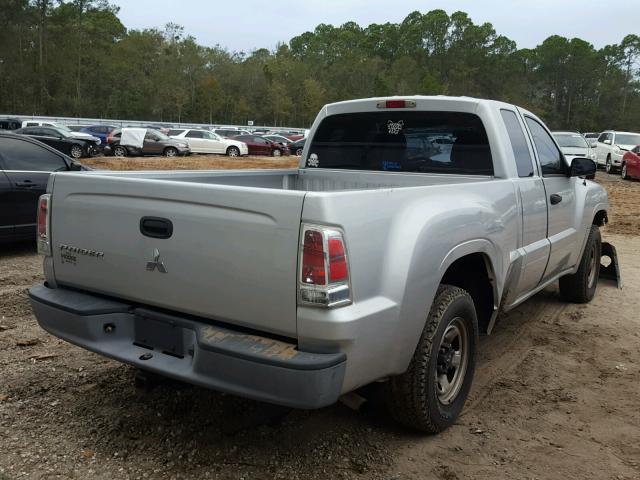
<point x="277" y="153"/>
<point x="298" y="152"/>
<point x="76" y="151"/>
<point x="608" y="167"/>
<point x="430" y="395"/>
<point x="581" y="286"/>
<point x="233" y="152"/>
<point x="170" y="152"/>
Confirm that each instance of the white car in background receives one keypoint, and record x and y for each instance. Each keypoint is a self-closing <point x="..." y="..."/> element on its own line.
<point x="67" y="130"/>
<point x="204" y="141"/>
<point x="612" y="146"/>
<point x="573" y="144"/>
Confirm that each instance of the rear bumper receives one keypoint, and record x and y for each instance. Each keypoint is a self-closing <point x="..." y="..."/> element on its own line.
<point x="190" y="350"/>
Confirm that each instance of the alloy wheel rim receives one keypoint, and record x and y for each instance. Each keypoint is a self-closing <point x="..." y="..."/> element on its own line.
<point x="452" y="362"/>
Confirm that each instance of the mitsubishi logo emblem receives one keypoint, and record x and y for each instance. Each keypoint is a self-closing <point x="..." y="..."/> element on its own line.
<point x="156" y="263"/>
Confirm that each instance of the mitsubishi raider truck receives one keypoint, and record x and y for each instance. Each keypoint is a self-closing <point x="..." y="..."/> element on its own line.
<point x="381" y="258"/>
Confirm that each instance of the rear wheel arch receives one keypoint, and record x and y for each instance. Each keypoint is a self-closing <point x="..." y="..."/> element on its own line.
<point x="474" y="273"/>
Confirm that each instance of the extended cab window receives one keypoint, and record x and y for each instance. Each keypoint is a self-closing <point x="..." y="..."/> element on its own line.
<point x="524" y="162"/>
<point x="402" y="141"/>
<point x="551" y="161"/>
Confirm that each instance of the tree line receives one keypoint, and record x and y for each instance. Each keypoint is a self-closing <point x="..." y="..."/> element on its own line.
<point x="76" y="58"/>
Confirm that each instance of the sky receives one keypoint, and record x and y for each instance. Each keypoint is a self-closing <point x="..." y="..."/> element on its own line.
<point x="246" y="25"/>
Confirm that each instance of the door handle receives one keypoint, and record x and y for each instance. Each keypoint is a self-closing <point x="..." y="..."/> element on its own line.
<point x="555" y="198"/>
<point x="156" y="227"/>
<point x="26" y="183"/>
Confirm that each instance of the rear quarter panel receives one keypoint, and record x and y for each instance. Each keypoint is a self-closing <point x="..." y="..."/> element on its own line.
<point x="400" y="243"/>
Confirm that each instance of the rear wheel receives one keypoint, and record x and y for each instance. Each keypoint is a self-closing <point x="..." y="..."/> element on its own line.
<point x="625" y="175"/>
<point x="581" y="286"/>
<point x="170" y="152"/>
<point x="233" y="152"/>
<point x="430" y="395"/>
<point x="76" y="151"/>
<point x="119" y="151"/>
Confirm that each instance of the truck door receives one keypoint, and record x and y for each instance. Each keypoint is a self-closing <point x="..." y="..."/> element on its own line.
<point x="534" y="246"/>
<point x="7" y="209"/>
<point x="562" y="230"/>
<point x="27" y="166"/>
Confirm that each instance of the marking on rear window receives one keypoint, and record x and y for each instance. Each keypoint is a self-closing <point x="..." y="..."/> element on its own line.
<point x="313" y="160"/>
<point x="395" y="127"/>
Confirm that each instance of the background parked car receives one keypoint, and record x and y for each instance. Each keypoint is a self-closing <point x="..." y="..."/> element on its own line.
<point x="278" y="139"/>
<point x="612" y="146"/>
<point x="100" y="131"/>
<point x="631" y="164"/>
<point x="68" y="131"/>
<point x="229" y="132"/>
<point x="261" y="146"/>
<point x="297" y="146"/>
<point x="77" y="128"/>
<point x="592" y="138"/>
<point x="204" y="141"/>
<point x="155" y="143"/>
<point x="62" y="141"/>
<point x="10" y="124"/>
<point x="572" y="145"/>
<point x="25" y="165"/>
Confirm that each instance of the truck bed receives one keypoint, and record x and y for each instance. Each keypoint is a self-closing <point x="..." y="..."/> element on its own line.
<point x="232" y="255"/>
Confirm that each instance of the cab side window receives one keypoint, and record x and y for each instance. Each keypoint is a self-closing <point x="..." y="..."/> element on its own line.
<point x="26" y="156"/>
<point x="551" y="161"/>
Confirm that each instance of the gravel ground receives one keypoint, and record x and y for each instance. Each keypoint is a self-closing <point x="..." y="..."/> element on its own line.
<point x="555" y="396"/>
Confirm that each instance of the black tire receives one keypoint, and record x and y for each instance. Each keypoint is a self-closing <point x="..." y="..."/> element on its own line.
<point x="608" y="166"/>
<point x="299" y="152"/>
<point x="581" y="286"/>
<point x="233" y="152"/>
<point x="415" y="398"/>
<point x="170" y="152"/>
<point x="623" y="172"/>
<point x="76" y="151"/>
<point x="120" y="151"/>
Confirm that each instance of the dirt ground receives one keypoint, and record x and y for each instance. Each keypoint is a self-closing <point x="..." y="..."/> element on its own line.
<point x="556" y="395"/>
<point x="192" y="162"/>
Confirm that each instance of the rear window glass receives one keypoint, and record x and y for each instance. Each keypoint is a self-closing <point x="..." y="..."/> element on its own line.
<point x="401" y="141"/>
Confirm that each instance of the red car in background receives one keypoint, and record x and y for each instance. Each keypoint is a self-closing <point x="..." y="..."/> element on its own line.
<point x="261" y="146"/>
<point x="631" y="163"/>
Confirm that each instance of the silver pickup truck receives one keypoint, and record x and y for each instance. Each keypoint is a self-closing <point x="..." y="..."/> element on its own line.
<point x="409" y="223"/>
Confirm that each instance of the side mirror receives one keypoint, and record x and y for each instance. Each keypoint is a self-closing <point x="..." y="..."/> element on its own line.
<point x="593" y="144"/>
<point x="583" y="167"/>
<point x="608" y="142"/>
<point x="75" y="167"/>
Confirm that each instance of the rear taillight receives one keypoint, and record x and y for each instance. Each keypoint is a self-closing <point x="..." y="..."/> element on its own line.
<point x="324" y="267"/>
<point x="44" y="216"/>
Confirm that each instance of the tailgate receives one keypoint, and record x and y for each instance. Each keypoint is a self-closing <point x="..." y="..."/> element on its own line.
<point x="232" y="255"/>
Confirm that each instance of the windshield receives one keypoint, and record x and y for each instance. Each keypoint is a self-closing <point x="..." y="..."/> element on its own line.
<point x="64" y="132"/>
<point x="570" y="140"/>
<point x="159" y="134"/>
<point x="403" y="141"/>
<point x="627" y="139"/>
